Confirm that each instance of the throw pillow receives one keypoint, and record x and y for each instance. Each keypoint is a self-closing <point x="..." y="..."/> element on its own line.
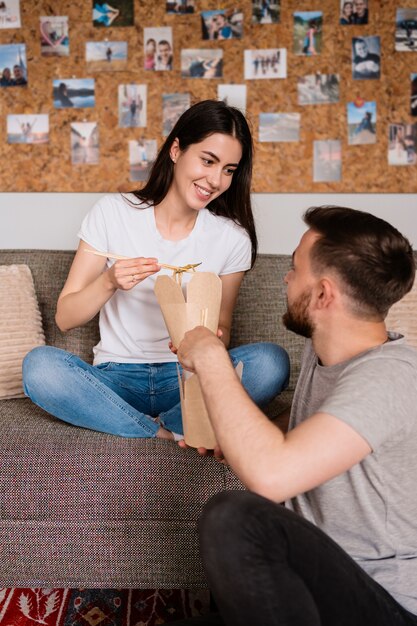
<point x="402" y="317"/>
<point x="20" y="326"/>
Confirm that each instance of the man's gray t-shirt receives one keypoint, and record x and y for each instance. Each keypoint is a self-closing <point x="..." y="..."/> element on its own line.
<point x="370" y="510"/>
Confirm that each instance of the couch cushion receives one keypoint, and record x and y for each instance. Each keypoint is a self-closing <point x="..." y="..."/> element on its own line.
<point x="402" y="317"/>
<point x="20" y="326"/>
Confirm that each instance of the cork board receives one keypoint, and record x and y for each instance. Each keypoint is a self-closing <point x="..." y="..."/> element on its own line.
<point x="279" y="167"/>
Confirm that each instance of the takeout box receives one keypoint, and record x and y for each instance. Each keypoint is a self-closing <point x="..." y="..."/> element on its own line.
<point x="200" y="307"/>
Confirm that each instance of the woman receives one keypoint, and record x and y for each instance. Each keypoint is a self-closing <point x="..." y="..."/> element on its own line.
<point x="195" y="208"/>
<point x="309" y="44"/>
<point x="346" y="16"/>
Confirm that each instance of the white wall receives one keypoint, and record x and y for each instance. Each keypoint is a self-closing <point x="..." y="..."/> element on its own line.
<point x="51" y="220"/>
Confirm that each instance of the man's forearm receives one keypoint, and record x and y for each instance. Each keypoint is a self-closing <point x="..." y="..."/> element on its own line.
<point x="244" y="434"/>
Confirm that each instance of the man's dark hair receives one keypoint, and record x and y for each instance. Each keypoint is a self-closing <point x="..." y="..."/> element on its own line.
<point x="374" y="260"/>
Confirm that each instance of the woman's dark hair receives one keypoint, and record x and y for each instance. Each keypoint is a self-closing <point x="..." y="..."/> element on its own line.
<point x="374" y="260"/>
<point x="197" y="123"/>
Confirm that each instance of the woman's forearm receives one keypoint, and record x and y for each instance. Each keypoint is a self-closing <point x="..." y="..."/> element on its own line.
<point x="79" y="307"/>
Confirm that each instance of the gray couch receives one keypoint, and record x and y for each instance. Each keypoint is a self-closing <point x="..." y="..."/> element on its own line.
<point x="84" y="509"/>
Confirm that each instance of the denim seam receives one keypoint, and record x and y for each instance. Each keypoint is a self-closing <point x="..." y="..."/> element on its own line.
<point x="99" y="386"/>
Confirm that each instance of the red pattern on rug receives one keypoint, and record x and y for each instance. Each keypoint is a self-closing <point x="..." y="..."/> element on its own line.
<point x="99" y="607"/>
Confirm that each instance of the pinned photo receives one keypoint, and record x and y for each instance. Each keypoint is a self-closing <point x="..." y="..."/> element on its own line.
<point x="366" y="58"/>
<point x="27" y="128"/>
<point x="353" y="12"/>
<point x="222" y="24"/>
<point x="84" y="143"/>
<point x="308" y="27"/>
<point x="281" y="127"/>
<point x="318" y="88"/>
<point x="266" y="11"/>
<point x="106" y="55"/>
<point x="406" y="30"/>
<point x="10" y="14"/>
<point x="267" y="63"/>
<point x="13" y="67"/>
<point x="173" y="106"/>
<point x="142" y="155"/>
<point x="54" y="36"/>
<point x="402" y="147"/>
<point x="74" y="92"/>
<point x="132" y="105"/>
<point x="180" y="6"/>
<point x="413" y="97"/>
<point x="233" y="95"/>
<point x="361" y="123"/>
<point x="327" y="163"/>
<point x="158" y="48"/>
<point x="201" y="63"/>
<point x="118" y="13"/>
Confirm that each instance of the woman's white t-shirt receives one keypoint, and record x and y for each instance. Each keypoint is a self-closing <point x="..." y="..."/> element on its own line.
<point x="132" y="329"/>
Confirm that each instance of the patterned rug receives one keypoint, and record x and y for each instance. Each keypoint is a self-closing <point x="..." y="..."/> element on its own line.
<point x="99" y="607"/>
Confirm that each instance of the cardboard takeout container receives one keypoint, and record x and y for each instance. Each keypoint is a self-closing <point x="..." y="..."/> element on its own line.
<point x="200" y="307"/>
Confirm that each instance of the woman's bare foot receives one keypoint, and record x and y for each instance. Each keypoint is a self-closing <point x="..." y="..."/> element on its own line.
<point x="163" y="433"/>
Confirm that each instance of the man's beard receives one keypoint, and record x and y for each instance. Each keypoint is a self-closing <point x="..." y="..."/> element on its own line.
<point x="297" y="317"/>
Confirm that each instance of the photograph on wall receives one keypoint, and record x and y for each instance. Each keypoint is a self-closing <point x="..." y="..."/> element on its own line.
<point x="327" y="161"/>
<point x="27" y="128"/>
<point x="266" y="11"/>
<point x="318" y="88"/>
<point x="265" y="63"/>
<point x="201" y="63"/>
<point x="54" y="36"/>
<point x="73" y="92"/>
<point x="10" y="14"/>
<point x="366" y="58"/>
<point x="283" y="127"/>
<point x="361" y="123"/>
<point x="180" y="7"/>
<point x="84" y="143"/>
<point x="106" y="55"/>
<point x="308" y="28"/>
<point x="13" y="67"/>
<point x="132" y="105"/>
<point x="222" y="24"/>
<point x="233" y="95"/>
<point x="158" y="48"/>
<point x="413" y="96"/>
<point x="402" y="145"/>
<point x="406" y="30"/>
<point x="118" y="13"/>
<point x="142" y="155"/>
<point x="353" y="12"/>
<point x="173" y="106"/>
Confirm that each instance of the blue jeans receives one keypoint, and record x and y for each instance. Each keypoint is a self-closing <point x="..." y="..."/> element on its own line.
<point x="125" y="398"/>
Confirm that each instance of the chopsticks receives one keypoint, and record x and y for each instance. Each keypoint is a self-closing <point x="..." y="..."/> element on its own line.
<point x="119" y="257"/>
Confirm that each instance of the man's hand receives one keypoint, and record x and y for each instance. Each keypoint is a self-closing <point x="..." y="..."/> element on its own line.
<point x="199" y="346"/>
<point x="216" y="453"/>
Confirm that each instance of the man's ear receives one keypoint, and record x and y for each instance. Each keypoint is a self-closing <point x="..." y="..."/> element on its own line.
<point x="174" y="151"/>
<point x="324" y="293"/>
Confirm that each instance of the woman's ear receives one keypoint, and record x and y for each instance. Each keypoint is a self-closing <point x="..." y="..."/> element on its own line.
<point x="174" y="150"/>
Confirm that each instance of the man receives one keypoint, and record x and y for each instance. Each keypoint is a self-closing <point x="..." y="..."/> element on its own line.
<point x="343" y="549"/>
<point x="360" y="12"/>
<point x="366" y="64"/>
<point x="19" y="78"/>
<point x="164" y="56"/>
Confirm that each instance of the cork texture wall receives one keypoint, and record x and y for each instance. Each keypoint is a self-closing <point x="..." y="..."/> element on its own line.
<point x="302" y="98"/>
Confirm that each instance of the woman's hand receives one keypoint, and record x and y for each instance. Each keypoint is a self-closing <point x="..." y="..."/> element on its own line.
<point x="127" y="273"/>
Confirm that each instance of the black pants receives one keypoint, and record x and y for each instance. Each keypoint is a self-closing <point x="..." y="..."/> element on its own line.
<point x="267" y="566"/>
